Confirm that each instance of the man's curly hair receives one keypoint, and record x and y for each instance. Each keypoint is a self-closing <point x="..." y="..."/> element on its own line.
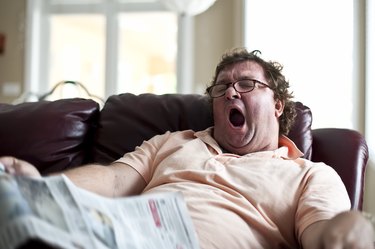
<point x="274" y="77"/>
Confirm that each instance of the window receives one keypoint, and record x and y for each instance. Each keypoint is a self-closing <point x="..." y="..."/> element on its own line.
<point x="77" y="50"/>
<point x="109" y="46"/>
<point x="147" y="52"/>
<point x="314" y="42"/>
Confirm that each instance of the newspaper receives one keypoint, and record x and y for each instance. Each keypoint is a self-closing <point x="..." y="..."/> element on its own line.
<point x="53" y="210"/>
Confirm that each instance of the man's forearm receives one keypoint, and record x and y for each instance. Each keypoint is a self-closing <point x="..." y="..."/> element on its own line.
<point x="115" y="180"/>
<point x="95" y="178"/>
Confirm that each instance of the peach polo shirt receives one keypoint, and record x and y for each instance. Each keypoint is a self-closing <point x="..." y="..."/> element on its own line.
<point x="260" y="200"/>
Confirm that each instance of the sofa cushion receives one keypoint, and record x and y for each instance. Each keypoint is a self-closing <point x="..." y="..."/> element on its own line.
<point x="51" y="135"/>
<point x="127" y="120"/>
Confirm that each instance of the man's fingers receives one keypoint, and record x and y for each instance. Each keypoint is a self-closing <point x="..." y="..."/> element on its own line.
<point x="8" y="164"/>
<point x="14" y="166"/>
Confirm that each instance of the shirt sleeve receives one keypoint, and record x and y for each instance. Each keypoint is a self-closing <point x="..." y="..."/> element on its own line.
<point x="323" y="195"/>
<point x="143" y="157"/>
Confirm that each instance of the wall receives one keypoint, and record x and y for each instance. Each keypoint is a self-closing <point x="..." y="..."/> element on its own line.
<point x="216" y="30"/>
<point x="12" y="18"/>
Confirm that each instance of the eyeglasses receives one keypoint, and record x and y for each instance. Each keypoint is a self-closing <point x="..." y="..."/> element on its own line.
<point x="241" y="86"/>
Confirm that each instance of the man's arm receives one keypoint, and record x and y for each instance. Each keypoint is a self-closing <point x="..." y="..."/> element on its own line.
<point x="346" y="230"/>
<point x="115" y="180"/>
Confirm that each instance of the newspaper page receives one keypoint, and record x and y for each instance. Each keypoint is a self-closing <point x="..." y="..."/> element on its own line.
<point x="55" y="211"/>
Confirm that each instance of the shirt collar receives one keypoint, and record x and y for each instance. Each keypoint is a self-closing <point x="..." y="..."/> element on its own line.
<point x="287" y="148"/>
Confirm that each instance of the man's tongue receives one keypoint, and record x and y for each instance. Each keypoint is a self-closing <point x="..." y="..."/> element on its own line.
<point x="236" y="118"/>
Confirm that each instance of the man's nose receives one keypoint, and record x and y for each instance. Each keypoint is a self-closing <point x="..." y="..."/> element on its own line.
<point x="231" y="93"/>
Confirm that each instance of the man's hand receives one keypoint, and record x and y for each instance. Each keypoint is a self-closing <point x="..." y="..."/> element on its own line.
<point x="14" y="166"/>
<point x="346" y="230"/>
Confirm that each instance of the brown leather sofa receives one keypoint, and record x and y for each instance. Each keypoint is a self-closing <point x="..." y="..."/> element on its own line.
<point x="67" y="133"/>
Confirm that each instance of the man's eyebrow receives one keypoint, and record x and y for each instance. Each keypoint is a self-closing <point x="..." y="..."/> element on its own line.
<point x="241" y="77"/>
<point x="222" y="82"/>
<point x="247" y="76"/>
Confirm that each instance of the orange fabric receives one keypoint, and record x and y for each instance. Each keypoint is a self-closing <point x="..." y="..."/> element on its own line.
<point x="259" y="200"/>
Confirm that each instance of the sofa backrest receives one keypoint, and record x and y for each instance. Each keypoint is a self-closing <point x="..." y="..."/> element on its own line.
<point x="127" y="120"/>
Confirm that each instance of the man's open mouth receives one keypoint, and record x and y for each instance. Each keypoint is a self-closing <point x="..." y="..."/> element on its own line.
<point x="236" y="118"/>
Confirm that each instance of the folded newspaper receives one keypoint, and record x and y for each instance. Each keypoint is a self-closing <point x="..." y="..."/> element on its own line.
<point x="56" y="212"/>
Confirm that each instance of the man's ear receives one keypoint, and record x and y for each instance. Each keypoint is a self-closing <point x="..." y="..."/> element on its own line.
<point x="279" y="108"/>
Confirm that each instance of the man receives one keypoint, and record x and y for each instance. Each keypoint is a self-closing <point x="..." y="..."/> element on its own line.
<point x="245" y="183"/>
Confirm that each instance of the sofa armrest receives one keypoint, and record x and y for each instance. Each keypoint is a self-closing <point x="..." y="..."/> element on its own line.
<point x="52" y="135"/>
<point x="346" y="151"/>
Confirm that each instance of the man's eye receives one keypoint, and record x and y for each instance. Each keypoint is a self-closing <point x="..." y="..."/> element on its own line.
<point x="220" y="87"/>
<point x="244" y="84"/>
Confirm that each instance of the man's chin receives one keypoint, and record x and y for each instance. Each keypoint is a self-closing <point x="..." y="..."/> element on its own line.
<point x="238" y="144"/>
<point x="235" y="138"/>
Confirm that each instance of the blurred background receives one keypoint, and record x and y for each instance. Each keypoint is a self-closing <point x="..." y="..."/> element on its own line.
<point x="108" y="47"/>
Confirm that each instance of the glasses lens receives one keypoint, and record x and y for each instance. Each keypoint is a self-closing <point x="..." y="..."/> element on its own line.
<point x="244" y="86"/>
<point x="218" y="90"/>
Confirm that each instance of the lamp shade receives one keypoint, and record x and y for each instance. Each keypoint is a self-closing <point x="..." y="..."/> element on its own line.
<point x="188" y="7"/>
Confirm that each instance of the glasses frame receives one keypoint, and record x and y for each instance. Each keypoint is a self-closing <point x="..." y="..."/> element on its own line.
<point x="233" y="84"/>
